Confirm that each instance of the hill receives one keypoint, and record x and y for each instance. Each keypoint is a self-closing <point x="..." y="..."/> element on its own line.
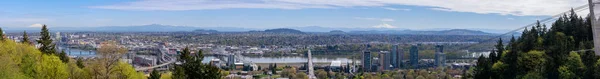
<point x="284" y="30"/>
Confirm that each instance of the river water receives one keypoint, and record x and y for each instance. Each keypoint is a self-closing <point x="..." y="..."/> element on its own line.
<point x="287" y="59"/>
<point x="297" y="59"/>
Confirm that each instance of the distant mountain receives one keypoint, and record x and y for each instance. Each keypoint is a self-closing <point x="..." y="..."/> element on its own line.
<point x="328" y="29"/>
<point x="171" y="28"/>
<point x="148" y="28"/>
<point x="284" y="30"/>
<point x="411" y="32"/>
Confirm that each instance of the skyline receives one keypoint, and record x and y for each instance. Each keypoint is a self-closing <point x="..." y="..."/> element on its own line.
<point x="264" y="14"/>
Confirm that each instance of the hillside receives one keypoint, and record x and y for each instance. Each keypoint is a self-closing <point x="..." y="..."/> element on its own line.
<point x="284" y="30"/>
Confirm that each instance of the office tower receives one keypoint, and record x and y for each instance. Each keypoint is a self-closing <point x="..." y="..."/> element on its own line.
<point x="231" y="61"/>
<point x="366" y="62"/>
<point x="385" y="60"/>
<point x="394" y="56"/>
<point x="440" y="57"/>
<point x="414" y="56"/>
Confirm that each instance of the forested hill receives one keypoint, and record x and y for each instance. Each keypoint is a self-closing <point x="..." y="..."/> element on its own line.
<point x="413" y="32"/>
<point x="544" y="52"/>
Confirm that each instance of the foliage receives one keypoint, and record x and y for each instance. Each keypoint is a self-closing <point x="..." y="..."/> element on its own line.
<point x="25" y="39"/>
<point x="192" y="67"/>
<point x="547" y="53"/>
<point x="154" y="75"/>
<point x="1" y="35"/>
<point x="46" y="42"/>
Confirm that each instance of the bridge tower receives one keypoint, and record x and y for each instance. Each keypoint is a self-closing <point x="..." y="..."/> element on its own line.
<point x="311" y="73"/>
<point x="595" y="25"/>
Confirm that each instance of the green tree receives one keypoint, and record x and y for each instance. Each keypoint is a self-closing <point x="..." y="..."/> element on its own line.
<point x="45" y="41"/>
<point x="565" y="73"/>
<point x="531" y="62"/>
<point x="321" y="74"/>
<point x="482" y="70"/>
<point x="192" y="67"/>
<point x="63" y="56"/>
<point x="499" y="49"/>
<point x="25" y="39"/>
<point x="79" y="63"/>
<point x="154" y="75"/>
<point x="1" y="35"/>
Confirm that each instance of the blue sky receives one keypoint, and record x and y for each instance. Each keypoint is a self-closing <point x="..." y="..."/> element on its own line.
<point x="392" y="14"/>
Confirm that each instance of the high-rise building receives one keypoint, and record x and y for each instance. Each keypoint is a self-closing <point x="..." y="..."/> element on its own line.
<point x="385" y="60"/>
<point x="366" y="62"/>
<point x="231" y="61"/>
<point x="440" y="56"/>
<point x="394" y="56"/>
<point x="414" y="56"/>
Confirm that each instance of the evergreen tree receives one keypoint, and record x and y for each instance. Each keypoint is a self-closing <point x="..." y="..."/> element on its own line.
<point x="273" y="70"/>
<point x="482" y="70"/>
<point x="499" y="48"/>
<point x="46" y="42"/>
<point x="79" y="63"/>
<point x="63" y="56"/>
<point x="154" y="74"/>
<point x="1" y="35"/>
<point x="25" y="39"/>
<point x="193" y="68"/>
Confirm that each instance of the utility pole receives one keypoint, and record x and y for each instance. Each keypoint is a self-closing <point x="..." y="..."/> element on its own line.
<point x="595" y="27"/>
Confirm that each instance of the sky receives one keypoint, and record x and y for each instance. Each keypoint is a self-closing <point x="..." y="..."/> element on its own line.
<point x="386" y="14"/>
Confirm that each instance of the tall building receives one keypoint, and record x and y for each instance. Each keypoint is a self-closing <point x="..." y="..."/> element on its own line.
<point x="231" y="61"/>
<point x="366" y="61"/>
<point x="414" y="56"/>
<point x="385" y="60"/>
<point x="440" y="56"/>
<point x="394" y="56"/>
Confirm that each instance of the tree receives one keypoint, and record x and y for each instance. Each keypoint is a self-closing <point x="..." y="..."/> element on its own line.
<point x="107" y="60"/>
<point x="301" y="76"/>
<point x="192" y="67"/>
<point x="25" y="39"/>
<point x="46" y="42"/>
<point x="321" y="74"/>
<point x="532" y="61"/>
<point x="154" y="74"/>
<point x="63" y="56"/>
<point x="482" y="70"/>
<point x="79" y="63"/>
<point x="1" y="35"/>
<point x="274" y="69"/>
<point x="499" y="49"/>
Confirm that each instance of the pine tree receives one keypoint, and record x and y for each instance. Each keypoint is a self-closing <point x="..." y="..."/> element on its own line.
<point x="63" y="56"/>
<point x="1" y="35"/>
<point x="25" y="39"/>
<point x="154" y="74"/>
<point x="482" y="70"/>
<point x="79" y="63"/>
<point x="273" y="69"/>
<point x="192" y="67"/>
<point x="499" y="48"/>
<point x="46" y="42"/>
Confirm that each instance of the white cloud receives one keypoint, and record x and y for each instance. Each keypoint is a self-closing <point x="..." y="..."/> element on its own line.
<point x="36" y="25"/>
<point x="375" y="19"/>
<point x="395" y="9"/>
<point x="384" y="25"/>
<point x="503" y="7"/>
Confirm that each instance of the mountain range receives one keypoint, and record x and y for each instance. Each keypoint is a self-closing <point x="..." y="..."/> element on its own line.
<point x="316" y="29"/>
